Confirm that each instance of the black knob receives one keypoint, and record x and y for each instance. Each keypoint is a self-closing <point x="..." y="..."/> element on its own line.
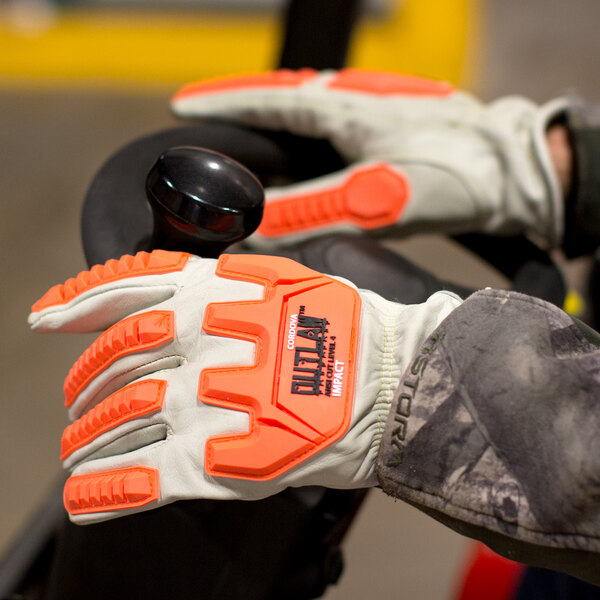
<point x="202" y="201"/>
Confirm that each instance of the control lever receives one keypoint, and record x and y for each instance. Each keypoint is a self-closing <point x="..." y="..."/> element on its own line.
<point x="202" y="201"/>
<point x="117" y="218"/>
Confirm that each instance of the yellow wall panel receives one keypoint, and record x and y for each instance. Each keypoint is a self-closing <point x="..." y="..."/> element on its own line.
<point x="150" y="48"/>
<point x="434" y="38"/>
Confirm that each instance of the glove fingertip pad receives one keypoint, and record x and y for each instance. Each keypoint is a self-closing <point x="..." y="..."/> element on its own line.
<point x="111" y="490"/>
<point x="142" y="263"/>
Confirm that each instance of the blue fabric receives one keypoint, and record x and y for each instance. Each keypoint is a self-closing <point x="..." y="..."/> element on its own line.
<point x="541" y="584"/>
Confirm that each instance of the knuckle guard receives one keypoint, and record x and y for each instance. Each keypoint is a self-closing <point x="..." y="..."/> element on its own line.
<point x="299" y="393"/>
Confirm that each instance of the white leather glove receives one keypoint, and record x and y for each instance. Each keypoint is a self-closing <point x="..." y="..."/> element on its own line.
<point x="421" y="156"/>
<point x="233" y="378"/>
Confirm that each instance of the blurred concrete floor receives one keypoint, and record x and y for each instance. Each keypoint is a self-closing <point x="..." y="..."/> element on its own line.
<point x="51" y="144"/>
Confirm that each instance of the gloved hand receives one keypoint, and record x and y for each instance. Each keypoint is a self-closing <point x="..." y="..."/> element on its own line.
<point x="233" y="378"/>
<point x="421" y="156"/>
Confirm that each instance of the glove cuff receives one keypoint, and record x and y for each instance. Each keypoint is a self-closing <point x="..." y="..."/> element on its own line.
<point x="582" y="206"/>
<point x="390" y="335"/>
<point x="403" y="329"/>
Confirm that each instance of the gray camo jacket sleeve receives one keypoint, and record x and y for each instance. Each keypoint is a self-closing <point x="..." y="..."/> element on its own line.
<point x="495" y="432"/>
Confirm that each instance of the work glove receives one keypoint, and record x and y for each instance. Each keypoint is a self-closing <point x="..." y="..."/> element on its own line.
<point x="224" y="379"/>
<point x="421" y="156"/>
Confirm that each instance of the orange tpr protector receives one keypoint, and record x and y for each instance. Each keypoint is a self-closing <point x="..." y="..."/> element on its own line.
<point x="299" y="393"/>
<point x="381" y="83"/>
<point x="110" y="490"/>
<point x="132" y="401"/>
<point x="133" y="334"/>
<point x="371" y="197"/>
<point x="143" y="263"/>
<point x="282" y="78"/>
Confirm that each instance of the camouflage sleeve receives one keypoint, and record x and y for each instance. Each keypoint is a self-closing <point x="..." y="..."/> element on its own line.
<point x="495" y="432"/>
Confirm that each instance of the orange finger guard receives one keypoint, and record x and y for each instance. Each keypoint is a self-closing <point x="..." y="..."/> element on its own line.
<point x="143" y="263"/>
<point x="110" y="490"/>
<point x="130" y="402"/>
<point x="280" y="79"/>
<point x="133" y="334"/>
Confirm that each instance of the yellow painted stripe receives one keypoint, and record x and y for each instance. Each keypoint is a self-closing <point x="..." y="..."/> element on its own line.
<point x="433" y="38"/>
<point x="148" y="48"/>
<point x="141" y="48"/>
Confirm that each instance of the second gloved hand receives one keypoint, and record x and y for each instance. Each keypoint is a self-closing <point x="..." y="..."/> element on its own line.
<point x="225" y="379"/>
<point x="420" y="155"/>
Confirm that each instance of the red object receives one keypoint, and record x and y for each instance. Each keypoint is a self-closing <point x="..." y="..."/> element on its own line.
<point x="489" y="576"/>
